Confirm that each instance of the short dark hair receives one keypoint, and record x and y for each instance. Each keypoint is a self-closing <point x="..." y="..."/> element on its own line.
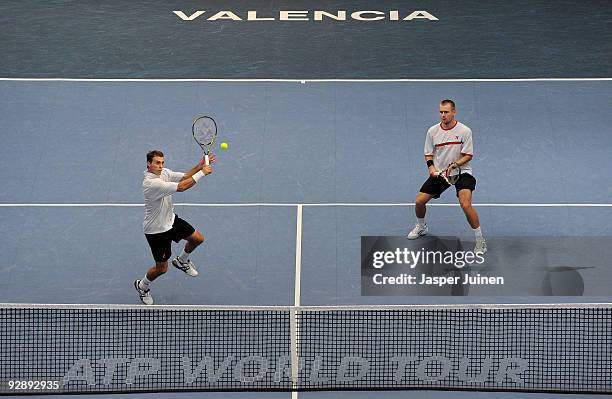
<point x="154" y="153"/>
<point x="447" y="101"/>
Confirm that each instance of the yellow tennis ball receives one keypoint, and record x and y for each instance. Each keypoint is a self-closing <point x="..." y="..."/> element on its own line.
<point x="224" y="146"/>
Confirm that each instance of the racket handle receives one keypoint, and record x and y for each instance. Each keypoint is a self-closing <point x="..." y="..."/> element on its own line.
<point x="206" y="160"/>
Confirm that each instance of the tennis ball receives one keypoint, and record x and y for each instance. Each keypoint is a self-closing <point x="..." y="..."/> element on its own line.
<point x="224" y="146"/>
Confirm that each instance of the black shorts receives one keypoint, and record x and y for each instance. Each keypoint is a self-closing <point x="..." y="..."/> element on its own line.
<point x="160" y="242"/>
<point x="437" y="185"/>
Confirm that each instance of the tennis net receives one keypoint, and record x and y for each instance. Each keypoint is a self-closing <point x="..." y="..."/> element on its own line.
<point x="118" y="348"/>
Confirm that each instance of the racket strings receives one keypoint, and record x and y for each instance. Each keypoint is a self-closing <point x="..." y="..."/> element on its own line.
<point x="453" y="179"/>
<point x="204" y="131"/>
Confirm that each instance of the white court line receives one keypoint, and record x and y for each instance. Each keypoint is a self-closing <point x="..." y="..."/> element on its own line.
<point x="308" y="80"/>
<point x="295" y="365"/>
<point x="339" y="204"/>
<point x="298" y="257"/>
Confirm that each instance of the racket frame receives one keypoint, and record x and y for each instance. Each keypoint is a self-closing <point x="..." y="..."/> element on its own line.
<point x="451" y="180"/>
<point x="205" y="147"/>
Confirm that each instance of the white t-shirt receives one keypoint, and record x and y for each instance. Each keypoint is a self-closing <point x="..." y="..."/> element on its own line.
<point x="448" y="146"/>
<point x="158" y="190"/>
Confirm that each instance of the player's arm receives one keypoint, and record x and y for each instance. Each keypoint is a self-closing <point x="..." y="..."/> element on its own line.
<point x="198" y="168"/>
<point x="464" y="159"/>
<point x="187" y="182"/>
<point x="430" y="166"/>
<point x="428" y="151"/>
<point x="467" y="150"/>
<point x="191" y="177"/>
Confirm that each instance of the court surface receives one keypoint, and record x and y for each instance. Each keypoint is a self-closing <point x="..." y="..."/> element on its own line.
<point x="313" y="164"/>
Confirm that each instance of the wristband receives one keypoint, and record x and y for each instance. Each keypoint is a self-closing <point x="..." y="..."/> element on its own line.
<point x="430" y="163"/>
<point x="197" y="176"/>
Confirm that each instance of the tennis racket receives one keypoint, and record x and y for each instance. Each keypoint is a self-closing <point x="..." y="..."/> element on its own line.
<point x="446" y="174"/>
<point x="204" y="131"/>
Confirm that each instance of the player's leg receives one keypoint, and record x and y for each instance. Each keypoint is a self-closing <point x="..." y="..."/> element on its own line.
<point x="143" y="285"/>
<point x="420" y="204"/>
<point x="465" y="200"/>
<point x="161" y="250"/>
<point x="432" y="188"/>
<point x="184" y="231"/>
<point x="193" y="241"/>
<point x="420" y="209"/>
<point x="157" y="270"/>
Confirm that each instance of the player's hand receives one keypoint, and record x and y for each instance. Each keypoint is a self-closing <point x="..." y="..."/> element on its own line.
<point x="433" y="172"/>
<point x="211" y="159"/>
<point x="452" y="167"/>
<point x="207" y="169"/>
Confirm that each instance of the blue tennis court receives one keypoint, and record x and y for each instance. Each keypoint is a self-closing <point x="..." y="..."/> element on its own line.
<point x="326" y="147"/>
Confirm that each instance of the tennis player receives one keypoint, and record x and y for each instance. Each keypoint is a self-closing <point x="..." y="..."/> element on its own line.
<point x="448" y="143"/>
<point x="161" y="224"/>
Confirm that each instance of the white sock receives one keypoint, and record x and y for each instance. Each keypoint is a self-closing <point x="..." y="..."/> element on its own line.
<point x="478" y="232"/>
<point x="184" y="256"/>
<point x="144" y="283"/>
<point x="421" y="221"/>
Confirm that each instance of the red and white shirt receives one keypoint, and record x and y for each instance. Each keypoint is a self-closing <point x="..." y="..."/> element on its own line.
<point x="449" y="145"/>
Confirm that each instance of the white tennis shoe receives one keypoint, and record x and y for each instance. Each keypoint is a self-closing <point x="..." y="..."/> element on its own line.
<point x="187" y="267"/>
<point x="145" y="295"/>
<point x="481" y="245"/>
<point x="418" y="231"/>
